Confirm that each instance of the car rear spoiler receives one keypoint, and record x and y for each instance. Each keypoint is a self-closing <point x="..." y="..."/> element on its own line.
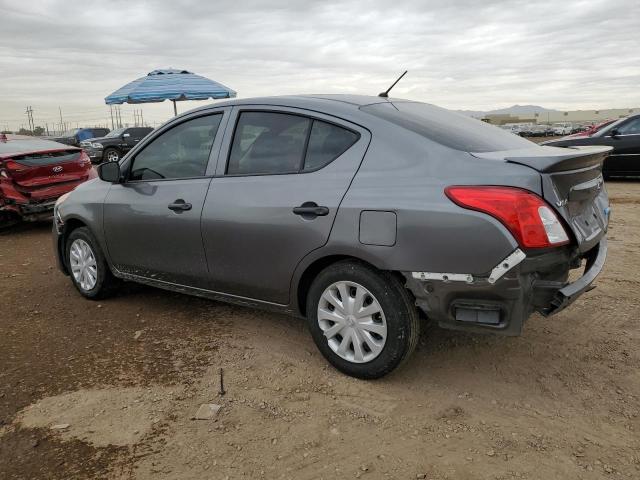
<point x="552" y="159"/>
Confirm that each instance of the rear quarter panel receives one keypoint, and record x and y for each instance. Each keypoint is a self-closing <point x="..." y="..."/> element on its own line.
<point x="405" y="173"/>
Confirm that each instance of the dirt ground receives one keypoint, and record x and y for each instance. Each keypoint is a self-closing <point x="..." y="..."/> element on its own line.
<point x="108" y="389"/>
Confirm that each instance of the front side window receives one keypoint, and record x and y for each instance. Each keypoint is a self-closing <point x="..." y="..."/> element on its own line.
<point x="181" y="152"/>
<point x="632" y="127"/>
<point x="273" y="143"/>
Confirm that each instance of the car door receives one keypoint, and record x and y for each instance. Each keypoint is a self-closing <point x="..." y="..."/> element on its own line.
<point x="130" y="139"/>
<point x="152" y="219"/>
<point x="625" y="157"/>
<point x="275" y="196"/>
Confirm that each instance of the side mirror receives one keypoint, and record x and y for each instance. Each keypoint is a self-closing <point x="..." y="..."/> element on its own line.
<point x="126" y="135"/>
<point x="109" y="172"/>
<point x="614" y="133"/>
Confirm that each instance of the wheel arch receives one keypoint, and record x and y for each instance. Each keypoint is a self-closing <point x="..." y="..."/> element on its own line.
<point x="310" y="272"/>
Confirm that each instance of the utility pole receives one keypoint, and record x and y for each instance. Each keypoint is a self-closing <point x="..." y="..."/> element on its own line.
<point x="29" y="113"/>
<point x="61" y="122"/>
<point x="141" y="119"/>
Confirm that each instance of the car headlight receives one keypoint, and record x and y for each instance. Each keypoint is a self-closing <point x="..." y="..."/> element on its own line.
<point x="97" y="145"/>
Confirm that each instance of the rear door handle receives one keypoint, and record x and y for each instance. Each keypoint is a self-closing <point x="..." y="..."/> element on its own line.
<point x="180" y="206"/>
<point x="311" y="210"/>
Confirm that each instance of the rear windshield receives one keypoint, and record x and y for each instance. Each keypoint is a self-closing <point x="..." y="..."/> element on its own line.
<point x="37" y="159"/>
<point x="446" y="127"/>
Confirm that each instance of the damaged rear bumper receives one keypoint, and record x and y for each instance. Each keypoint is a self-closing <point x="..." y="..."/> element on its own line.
<point x="503" y="299"/>
<point x="33" y="211"/>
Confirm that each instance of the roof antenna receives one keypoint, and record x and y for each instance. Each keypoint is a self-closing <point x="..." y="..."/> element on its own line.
<point x="386" y="94"/>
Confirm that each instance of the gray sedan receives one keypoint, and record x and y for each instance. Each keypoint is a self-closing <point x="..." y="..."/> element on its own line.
<point x="360" y="214"/>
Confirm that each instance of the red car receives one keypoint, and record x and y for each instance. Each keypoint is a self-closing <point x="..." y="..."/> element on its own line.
<point x="591" y="130"/>
<point x="34" y="173"/>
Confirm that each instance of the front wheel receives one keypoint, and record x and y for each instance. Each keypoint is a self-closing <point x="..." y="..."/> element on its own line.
<point x="111" y="155"/>
<point x="362" y="320"/>
<point x="88" y="268"/>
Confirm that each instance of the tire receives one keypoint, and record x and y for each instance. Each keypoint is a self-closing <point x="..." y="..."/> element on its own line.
<point x="111" y="155"/>
<point x="392" y="332"/>
<point x="94" y="280"/>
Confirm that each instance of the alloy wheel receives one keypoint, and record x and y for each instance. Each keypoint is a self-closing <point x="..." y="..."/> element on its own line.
<point x="84" y="267"/>
<point x="112" y="156"/>
<point x="352" y="321"/>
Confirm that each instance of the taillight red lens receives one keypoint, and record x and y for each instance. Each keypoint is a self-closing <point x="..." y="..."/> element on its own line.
<point x="84" y="158"/>
<point x="13" y="167"/>
<point x="527" y="216"/>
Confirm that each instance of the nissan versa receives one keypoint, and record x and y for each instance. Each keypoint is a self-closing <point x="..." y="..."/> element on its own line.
<point x="361" y="214"/>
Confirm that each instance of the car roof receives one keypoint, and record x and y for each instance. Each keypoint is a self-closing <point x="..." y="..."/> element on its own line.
<point x="328" y="103"/>
<point x="21" y="146"/>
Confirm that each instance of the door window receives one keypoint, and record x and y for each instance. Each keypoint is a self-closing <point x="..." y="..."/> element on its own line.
<point x="273" y="143"/>
<point x="632" y="127"/>
<point x="266" y="142"/>
<point x="181" y="152"/>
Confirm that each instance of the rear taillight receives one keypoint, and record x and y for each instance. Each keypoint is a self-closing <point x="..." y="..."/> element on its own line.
<point x="8" y="167"/>
<point x="527" y="216"/>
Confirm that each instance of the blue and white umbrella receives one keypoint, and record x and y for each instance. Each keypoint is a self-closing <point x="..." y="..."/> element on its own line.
<point x="169" y="84"/>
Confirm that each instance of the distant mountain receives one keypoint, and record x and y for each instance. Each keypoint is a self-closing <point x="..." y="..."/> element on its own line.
<point x="521" y="110"/>
<point x="515" y="110"/>
<point x="472" y="113"/>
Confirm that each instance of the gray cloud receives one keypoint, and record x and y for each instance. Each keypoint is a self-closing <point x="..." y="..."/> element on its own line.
<point x="461" y="54"/>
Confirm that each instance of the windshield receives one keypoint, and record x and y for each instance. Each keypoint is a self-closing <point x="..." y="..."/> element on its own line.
<point x="447" y="128"/>
<point x="115" y="133"/>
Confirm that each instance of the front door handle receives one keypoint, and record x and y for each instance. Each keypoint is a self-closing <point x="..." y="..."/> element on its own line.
<point x="179" y="206"/>
<point x="310" y="210"/>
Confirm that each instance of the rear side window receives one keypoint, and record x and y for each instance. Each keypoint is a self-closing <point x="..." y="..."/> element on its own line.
<point x="326" y="143"/>
<point x="447" y="128"/>
<point x="266" y="142"/>
<point x="276" y="143"/>
<point x="181" y="152"/>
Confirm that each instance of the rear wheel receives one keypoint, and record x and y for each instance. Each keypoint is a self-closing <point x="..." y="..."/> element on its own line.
<point x="362" y="320"/>
<point x="111" y="155"/>
<point x="88" y="268"/>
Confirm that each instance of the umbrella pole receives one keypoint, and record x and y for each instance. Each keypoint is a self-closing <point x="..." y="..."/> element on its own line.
<point x="175" y="109"/>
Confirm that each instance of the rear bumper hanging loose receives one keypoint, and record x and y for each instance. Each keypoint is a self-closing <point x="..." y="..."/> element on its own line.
<point x="503" y="299"/>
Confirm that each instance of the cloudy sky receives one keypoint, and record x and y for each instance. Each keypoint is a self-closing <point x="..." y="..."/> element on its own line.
<point x="461" y="54"/>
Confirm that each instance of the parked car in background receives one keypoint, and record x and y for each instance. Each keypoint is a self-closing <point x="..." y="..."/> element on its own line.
<point x="115" y="144"/>
<point x="623" y="135"/>
<point x="34" y="173"/>
<point x="562" y="128"/>
<point x="348" y="210"/>
<point x="77" y="135"/>
<point x="538" y="131"/>
<point x="589" y="130"/>
<point x="525" y="129"/>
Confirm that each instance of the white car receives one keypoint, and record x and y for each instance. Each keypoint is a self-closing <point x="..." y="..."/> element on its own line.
<point x="562" y="128"/>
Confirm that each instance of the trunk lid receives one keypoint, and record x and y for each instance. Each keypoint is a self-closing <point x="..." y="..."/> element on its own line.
<point x="572" y="183"/>
<point x="43" y="174"/>
<point x="41" y="169"/>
